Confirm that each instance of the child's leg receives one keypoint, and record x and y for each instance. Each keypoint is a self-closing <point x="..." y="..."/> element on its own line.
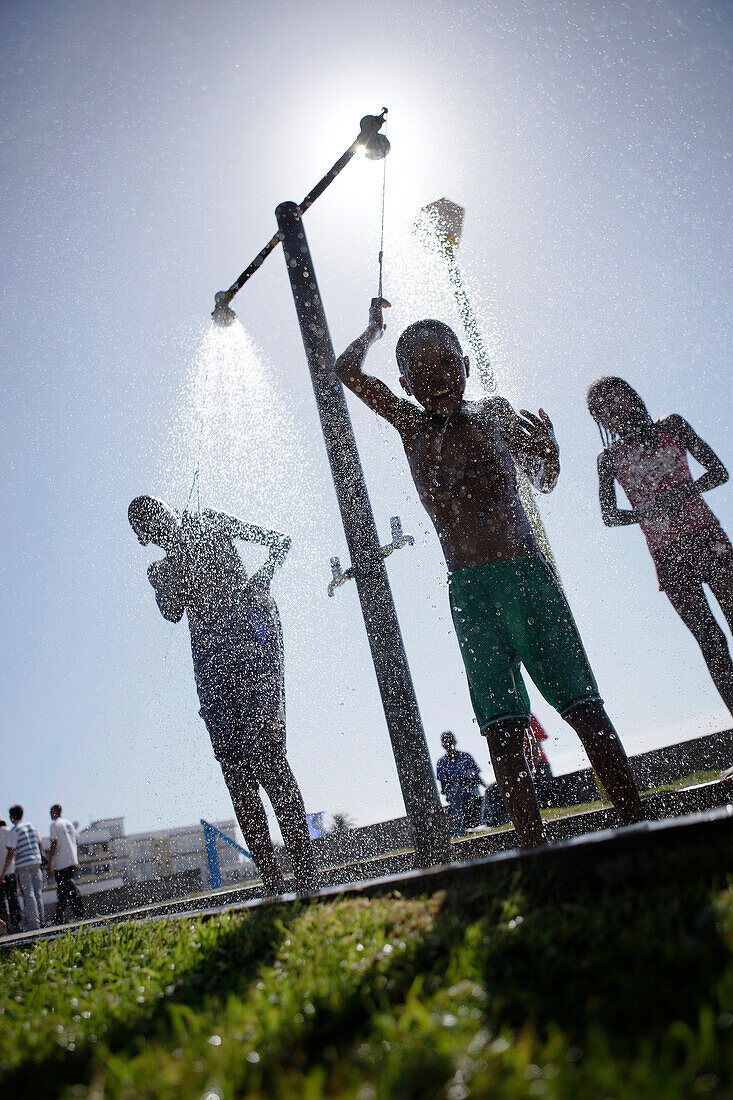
<point x="719" y="576"/>
<point x="716" y="569"/>
<point x="506" y="747"/>
<point x="691" y="605"/>
<point x="607" y="755"/>
<point x="277" y="778"/>
<point x="245" y="795"/>
<point x="62" y="897"/>
<point x="723" y="591"/>
<point x="454" y="798"/>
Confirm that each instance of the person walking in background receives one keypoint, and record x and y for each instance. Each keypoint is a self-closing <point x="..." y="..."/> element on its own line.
<point x="688" y="546"/>
<point x="9" y="908"/>
<point x="63" y="862"/>
<point x="24" y="845"/>
<point x="459" y="778"/>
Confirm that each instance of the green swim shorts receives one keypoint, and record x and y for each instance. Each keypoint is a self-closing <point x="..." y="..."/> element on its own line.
<point x="512" y="613"/>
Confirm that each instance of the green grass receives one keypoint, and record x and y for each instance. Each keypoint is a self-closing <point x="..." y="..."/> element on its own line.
<point x="571" y="986"/>
<point x="686" y="781"/>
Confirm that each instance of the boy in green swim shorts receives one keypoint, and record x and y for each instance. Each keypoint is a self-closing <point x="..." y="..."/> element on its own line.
<point x="507" y="607"/>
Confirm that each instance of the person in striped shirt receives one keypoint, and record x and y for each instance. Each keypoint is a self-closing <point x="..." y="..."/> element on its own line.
<point x="24" y="845"/>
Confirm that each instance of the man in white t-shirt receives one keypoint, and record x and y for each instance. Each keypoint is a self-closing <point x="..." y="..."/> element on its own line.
<point x="63" y="861"/>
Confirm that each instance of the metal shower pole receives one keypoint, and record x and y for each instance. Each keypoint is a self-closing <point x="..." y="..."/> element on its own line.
<point x="414" y="768"/>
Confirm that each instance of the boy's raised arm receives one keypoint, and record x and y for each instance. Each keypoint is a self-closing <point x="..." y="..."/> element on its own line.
<point x="234" y="528"/>
<point x="372" y="391"/>
<point x="279" y="549"/>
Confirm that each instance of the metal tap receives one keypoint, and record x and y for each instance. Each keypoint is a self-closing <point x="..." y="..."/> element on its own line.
<point x="399" y="539"/>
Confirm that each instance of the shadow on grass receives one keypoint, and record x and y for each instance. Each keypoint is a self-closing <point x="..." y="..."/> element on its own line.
<point x="632" y="953"/>
<point x="612" y="948"/>
<point x="624" y="951"/>
<point x="226" y="967"/>
<point x="625" y="948"/>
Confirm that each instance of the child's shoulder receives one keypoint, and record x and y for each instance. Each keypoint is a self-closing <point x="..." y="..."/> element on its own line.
<point x="495" y="406"/>
<point x="495" y="410"/>
<point x="672" y="424"/>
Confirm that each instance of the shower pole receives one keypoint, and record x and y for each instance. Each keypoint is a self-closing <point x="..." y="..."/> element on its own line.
<point x="414" y="768"/>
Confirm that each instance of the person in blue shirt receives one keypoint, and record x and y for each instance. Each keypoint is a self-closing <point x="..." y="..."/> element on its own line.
<point x="459" y="778"/>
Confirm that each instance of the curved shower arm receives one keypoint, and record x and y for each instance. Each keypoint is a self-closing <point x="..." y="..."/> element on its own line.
<point x="377" y="147"/>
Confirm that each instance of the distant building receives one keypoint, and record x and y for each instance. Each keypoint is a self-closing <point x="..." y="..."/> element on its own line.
<point x="109" y="858"/>
<point x="97" y="857"/>
<point x="146" y="856"/>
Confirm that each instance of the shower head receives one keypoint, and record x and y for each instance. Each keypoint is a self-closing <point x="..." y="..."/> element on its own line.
<point x="375" y="145"/>
<point x="222" y="313"/>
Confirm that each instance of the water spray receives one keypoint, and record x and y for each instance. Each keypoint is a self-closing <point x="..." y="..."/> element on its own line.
<point x="443" y="220"/>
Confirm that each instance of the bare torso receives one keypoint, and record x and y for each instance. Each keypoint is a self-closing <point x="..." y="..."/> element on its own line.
<point x="466" y="479"/>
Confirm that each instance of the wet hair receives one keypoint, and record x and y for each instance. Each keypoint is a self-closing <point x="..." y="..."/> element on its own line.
<point x="55" y="809"/>
<point x="421" y="330"/>
<point x="145" y="510"/>
<point x="16" y="813"/>
<point x="140" y="511"/>
<point x="626" y="395"/>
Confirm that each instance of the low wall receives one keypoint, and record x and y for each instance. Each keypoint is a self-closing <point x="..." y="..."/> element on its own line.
<point x="371" y="842"/>
<point x="363" y="843"/>
<point x="651" y="769"/>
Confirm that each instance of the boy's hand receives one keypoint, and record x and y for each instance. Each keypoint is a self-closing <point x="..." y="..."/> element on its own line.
<point x="376" y="325"/>
<point x="536" y="433"/>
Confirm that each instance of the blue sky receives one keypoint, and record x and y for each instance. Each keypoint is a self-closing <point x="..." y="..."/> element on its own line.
<point x="144" y="149"/>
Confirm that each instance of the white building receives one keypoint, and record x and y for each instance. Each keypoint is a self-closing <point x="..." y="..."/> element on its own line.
<point x="108" y="857"/>
<point x="146" y="856"/>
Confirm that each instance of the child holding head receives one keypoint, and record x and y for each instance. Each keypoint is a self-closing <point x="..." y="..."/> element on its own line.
<point x="507" y="607"/>
<point x="238" y="661"/>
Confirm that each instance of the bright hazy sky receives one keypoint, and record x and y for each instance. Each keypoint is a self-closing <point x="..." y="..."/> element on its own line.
<point x="144" y="149"/>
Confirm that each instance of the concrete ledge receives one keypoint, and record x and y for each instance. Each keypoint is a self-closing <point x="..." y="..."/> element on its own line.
<point x="631" y="851"/>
